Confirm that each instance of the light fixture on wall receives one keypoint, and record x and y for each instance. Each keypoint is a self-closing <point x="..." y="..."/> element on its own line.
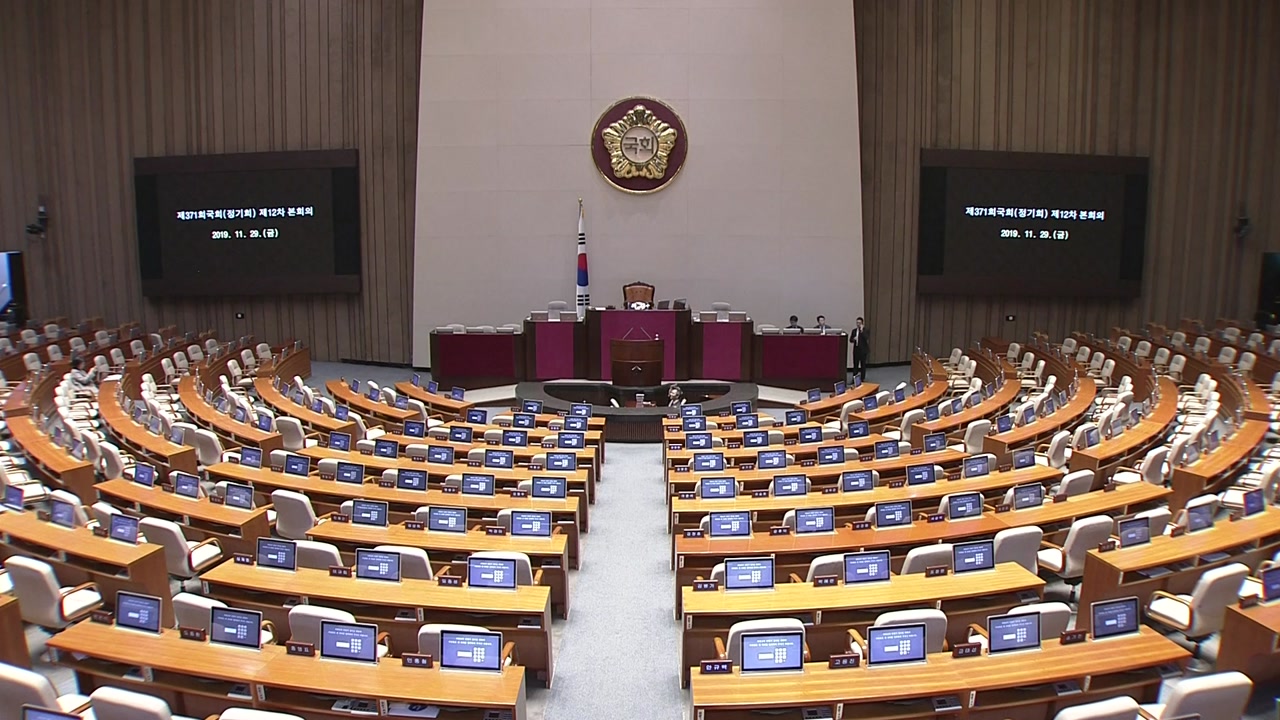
<point x="41" y="226"/>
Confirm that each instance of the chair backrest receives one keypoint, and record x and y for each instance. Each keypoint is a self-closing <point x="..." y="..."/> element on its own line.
<point x="733" y="644"/>
<point x="1058" y="446"/>
<point x="168" y="534"/>
<point x="1215" y="589"/>
<point x="414" y="562"/>
<point x="304" y="621"/>
<point x="637" y="292"/>
<point x="1019" y="545"/>
<point x="1054" y="617"/>
<point x="429" y="635"/>
<point x="1209" y="500"/>
<point x="292" y="435"/>
<point x="112" y="703"/>
<point x="1221" y="696"/>
<point x="37" y="590"/>
<point x="208" y="447"/>
<point x="318" y="555"/>
<point x="81" y="514"/>
<point x="19" y="686"/>
<point x="1069" y="345"/>
<point x="935" y="624"/>
<point x="191" y="610"/>
<point x="1116" y="708"/>
<point x="294" y="514"/>
<point x="524" y="568"/>
<point x="1085" y="534"/>
<point x="1152" y="467"/>
<point x="1076" y="483"/>
<point x="973" y="435"/>
<point x="925" y="556"/>
<point x="823" y="564"/>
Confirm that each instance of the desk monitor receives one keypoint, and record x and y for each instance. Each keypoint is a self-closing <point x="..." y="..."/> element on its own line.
<point x="144" y="475"/>
<point x="531" y="523"/>
<point x="693" y="423"/>
<point x="440" y="454"/>
<point x="77" y="448"/>
<point x="176" y="434"/>
<point x="795" y="417"/>
<point x="771" y="459"/>
<point x="251" y="457"/>
<point x="531" y="406"/>
<point x="975" y="399"/>
<point x="919" y="387"/>
<point x="893" y="644"/>
<point x="716" y="488"/>
<point x="886" y="449"/>
<point x="748" y="573"/>
<point x="1004" y="424"/>
<point x="813" y="395"/>
<point x="62" y="513"/>
<point x="414" y="429"/>
<point x="341" y="412"/>
<point x="1114" y="618"/>
<point x="790" y="484"/>
<point x="386" y="448"/>
<point x="972" y="556"/>
<point x="442" y="518"/>
<point x="524" y="420"/>
<point x="935" y="442"/>
<point x="139" y="409"/>
<point x="870" y="403"/>
<point x="1117" y="426"/>
<point x="1024" y="458"/>
<point x="13" y="497"/>
<point x="697" y="440"/>
<point x="548" y="487"/>
<point x="1199" y="517"/>
<point x="276" y="553"/>
<point x="900" y="395"/>
<point x="499" y="458"/>
<point x="1029" y="414"/>
<point x="239" y="628"/>
<point x="574" y="423"/>
<point x="124" y="528"/>
<point x="857" y="481"/>
<point x="571" y="440"/>
<point x="893" y="513"/>
<point x="809" y="435"/>
<point x="415" y="380"/>
<point x="859" y="429"/>
<point x="369" y="512"/>
<point x="515" y="438"/>
<point x="1134" y="531"/>
<point x="755" y="438"/>
<point x="815" y="520"/>
<point x="1270" y="583"/>
<point x="138" y="612"/>
<point x="740" y="407"/>
<point x="931" y="413"/>
<point x="264" y="422"/>
<point x="840" y="388"/>
<point x="744" y="422"/>
<point x="238" y="496"/>
<point x="340" y="441"/>
<point x="962" y="506"/>
<point x="31" y="712"/>
<point x="433" y="387"/>
<point x="860" y="567"/>
<point x="708" y="462"/>
<point x="476" y="416"/>
<point x="477" y="484"/>
<point x="186" y="485"/>
<point x="1062" y="398"/>
<point x="1213" y="440"/>
<point x="411" y="479"/>
<point x="976" y="466"/>
<point x="296" y="465"/>
<point x="349" y="641"/>
<point x="731" y="524"/>
<point x="237" y="414"/>
<point x="350" y="473"/>
<point x="1190" y="454"/>
<point x="1091" y="437"/>
<point x="1010" y="633"/>
<point x="1254" y="502"/>
<point x="832" y="454"/>
<point x="565" y="461"/>
<point x="691" y="410"/>
<point x="377" y="565"/>
<point x="354" y="385"/>
<point x="1026" y="496"/>
<point x="486" y="572"/>
<point x="470" y="650"/>
<point x="772" y="652"/>
<point x="374" y="394"/>
<point x="580" y="410"/>
<point x="957" y="405"/>
<point x="457" y="393"/>
<point x="920" y="474"/>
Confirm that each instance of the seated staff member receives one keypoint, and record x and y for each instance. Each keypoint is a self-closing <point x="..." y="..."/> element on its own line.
<point x="794" y="323"/>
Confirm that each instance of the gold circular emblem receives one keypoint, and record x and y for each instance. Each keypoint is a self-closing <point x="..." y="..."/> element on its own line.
<point x="639" y="145"/>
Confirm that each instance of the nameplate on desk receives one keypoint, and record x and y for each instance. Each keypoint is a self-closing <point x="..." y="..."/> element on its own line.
<point x="705" y="586"/>
<point x="304" y="649"/>
<point x="280" y="468"/>
<point x="416" y="660"/>
<point x="733" y="445"/>
<point x="1178" y="531"/>
<point x="1060" y="497"/>
<point x="685" y="495"/>
<point x="339" y="571"/>
<point x="779" y="529"/>
<point x="495" y="530"/>
<point x="1071" y="637"/>
<point x="386" y="483"/>
<point x="808" y="462"/>
<point x="473" y="463"/>
<point x="953" y="476"/>
<point x="866" y="458"/>
<point x="100" y="531"/>
<point x="861" y="525"/>
<point x="364" y="451"/>
<point x="547" y="444"/>
<point x="917" y="451"/>
<point x="1248" y="601"/>
<point x="675" y="446"/>
<point x="1004" y="467"/>
<point x="326" y="476"/>
<point x="746" y="466"/>
<point x="535" y="467"/>
<point x="693" y="533"/>
<point x="964" y="650"/>
<point x="895" y="484"/>
<point x="415" y="525"/>
<point x="790" y="441"/>
<point x="192" y="633"/>
<point x="936" y="518"/>
<point x="1109" y="486"/>
<point x="681" y="468"/>
<point x="216" y="500"/>
<point x="103" y="617"/>
<point x="715" y="667"/>
<point x="723" y="413"/>
<point x="450" y="489"/>
<point x="1003" y="508"/>
<point x="340" y="518"/>
<point x="242" y="559"/>
<point x="936" y="571"/>
<point x="840" y="437"/>
<point x="42" y="515"/>
<point x="493" y="443"/>
<point x="165" y="486"/>
<point x="1107" y="546"/>
<point x="673" y="416"/>
<point x="826" y="581"/>
<point x="1071" y="687"/>
<point x="505" y="423"/>
<point x="519" y="493"/>
<point x="448" y="581"/>
<point x="672" y="428"/>
<point x="759" y="493"/>
<point x="418" y="458"/>
<point x="844" y="660"/>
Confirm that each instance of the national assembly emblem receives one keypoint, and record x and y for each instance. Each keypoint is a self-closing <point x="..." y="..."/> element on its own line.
<point x="639" y="145"/>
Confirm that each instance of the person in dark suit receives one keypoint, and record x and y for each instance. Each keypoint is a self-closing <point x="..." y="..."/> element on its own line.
<point x="860" y="339"/>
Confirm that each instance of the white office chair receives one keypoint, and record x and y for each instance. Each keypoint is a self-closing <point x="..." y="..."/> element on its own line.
<point x="429" y="639"/>
<point x="42" y="601"/>
<point x="304" y="625"/>
<point x="935" y="625"/>
<point x="1116" y="708"/>
<point x="1055" y="453"/>
<point x="925" y="556"/>
<point x="414" y="562"/>
<point x="292" y="436"/>
<point x="19" y="686"/>
<point x="193" y="611"/>
<point x="825" y="565"/>
<point x="910" y="418"/>
<point x="1067" y="562"/>
<point x="1151" y="469"/>
<point x="1054" y="619"/>
<point x="974" y="432"/>
<point x="248" y="714"/>
<point x="1221" y="696"/>
<point x="1200" y="614"/>
<point x="1181" y="518"/>
<point x="112" y="703"/>
<point x="847" y="409"/>
<point x="1074" y="483"/>
<point x="294" y="514"/>
<point x="184" y="558"/>
<point x="731" y="649"/>
<point x="1019" y="545"/>
<point x="317" y="555"/>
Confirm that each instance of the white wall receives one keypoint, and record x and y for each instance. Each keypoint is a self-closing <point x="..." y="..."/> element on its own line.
<point x="766" y="214"/>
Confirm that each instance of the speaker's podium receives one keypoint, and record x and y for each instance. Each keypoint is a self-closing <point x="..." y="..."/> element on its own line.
<point x="636" y="363"/>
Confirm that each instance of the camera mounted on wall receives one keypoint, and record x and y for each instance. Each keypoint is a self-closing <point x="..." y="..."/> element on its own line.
<point x="41" y="225"/>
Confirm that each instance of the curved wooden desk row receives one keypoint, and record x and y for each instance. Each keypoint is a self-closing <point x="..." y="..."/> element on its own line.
<point x="735" y="454"/>
<point x="888" y="416"/>
<point x="137" y="440"/>
<point x="13" y="367"/>
<point x="828" y="408"/>
<point x="200" y="679"/>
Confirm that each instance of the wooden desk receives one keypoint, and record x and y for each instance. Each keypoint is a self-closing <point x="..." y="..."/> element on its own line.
<point x="738" y="455"/>
<point x="1215" y="470"/>
<point x="523" y="616"/>
<point x="989" y="371"/>
<point x="311" y="421"/>
<point x="50" y="461"/>
<point x="232" y="432"/>
<point x="376" y="414"/>
<point x="1132" y="444"/>
<point x="1124" y="499"/>
<point x="1014" y="685"/>
<point x="828" y="408"/>
<point x="673" y="432"/>
<point x="196" y="677"/>
<point x="1250" y="642"/>
<point x="1042" y="429"/>
<point x="77" y="555"/>
<point x="1119" y="573"/>
<point x="829" y="612"/>
<point x="443" y="404"/>
<point x="588" y="457"/>
<point x="13" y="636"/>
<point x="550" y="554"/>
<point x="153" y="449"/>
<point x="237" y="530"/>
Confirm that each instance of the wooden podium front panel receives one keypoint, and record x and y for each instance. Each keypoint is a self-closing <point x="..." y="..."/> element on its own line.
<point x="636" y="363"/>
<point x="671" y="326"/>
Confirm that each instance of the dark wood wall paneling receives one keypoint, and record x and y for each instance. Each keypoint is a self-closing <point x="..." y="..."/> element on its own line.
<point x="90" y="84"/>
<point x="1192" y="84"/>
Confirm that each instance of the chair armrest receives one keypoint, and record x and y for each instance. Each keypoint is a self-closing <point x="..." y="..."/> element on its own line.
<point x="82" y="709"/>
<point x="537" y="576"/>
<point x="795" y="578"/>
<point x="1045" y="545"/>
<point x="197" y="546"/>
<point x="856" y="641"/>
<point x="721" y="653"/>
<point x="83" y="586"/>
<point x="806" y="651"/>
<point x="1146" y="715"/>
<point x="508" y="654"/>
<point x="976" y="629"/>
<point x="383" y="638"/>
<point x="1168" y="596"/>
<point x="268" y="626"/>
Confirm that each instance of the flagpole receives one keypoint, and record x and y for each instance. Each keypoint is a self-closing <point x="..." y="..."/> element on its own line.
<point x="583" y="285"/>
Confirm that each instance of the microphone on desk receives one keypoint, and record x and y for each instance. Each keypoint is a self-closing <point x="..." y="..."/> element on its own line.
<point x="647" y="336"/>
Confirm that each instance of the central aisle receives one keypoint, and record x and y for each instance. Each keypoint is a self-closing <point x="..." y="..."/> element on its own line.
<point x="620" y="647"/>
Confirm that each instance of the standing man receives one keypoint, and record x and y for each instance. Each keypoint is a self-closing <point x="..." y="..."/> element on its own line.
<point x="860" y="338"/>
